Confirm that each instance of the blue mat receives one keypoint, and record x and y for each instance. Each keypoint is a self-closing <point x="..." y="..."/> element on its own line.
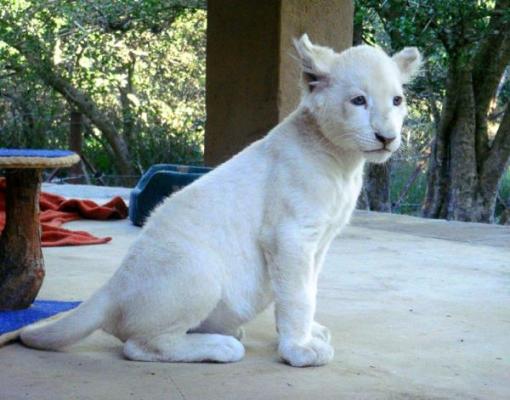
<point x="11" y="321"/>
<point x="34" y="153"/>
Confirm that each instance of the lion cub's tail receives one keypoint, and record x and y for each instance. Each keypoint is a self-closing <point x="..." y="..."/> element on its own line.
<point x="74" y="326"/>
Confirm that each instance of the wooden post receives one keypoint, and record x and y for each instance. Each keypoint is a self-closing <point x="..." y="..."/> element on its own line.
<point x="21" y="260"/>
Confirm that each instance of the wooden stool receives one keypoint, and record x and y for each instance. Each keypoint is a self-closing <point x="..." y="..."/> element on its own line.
<point x="21" y="260"/>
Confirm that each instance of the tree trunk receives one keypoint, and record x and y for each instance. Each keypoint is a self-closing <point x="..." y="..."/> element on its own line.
<point x="377" y="186"/>
<point x="128" y="114"/>
<point x="21" y="260"/>
<point x="75" y="142"/>
<point x="438" y="167"/>
<point x="462" y="162"/>
<point x="452" y="173"/>
<point x="462" y="178"/>
<point x="493" y="169"/>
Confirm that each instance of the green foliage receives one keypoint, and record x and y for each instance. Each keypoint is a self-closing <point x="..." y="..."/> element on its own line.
<point x="429" y="24"/>
<point x="401" y="172"/>
<point x="142" y="63"/>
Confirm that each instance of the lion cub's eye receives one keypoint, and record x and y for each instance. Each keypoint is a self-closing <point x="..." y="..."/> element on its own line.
<point x="359" y="101"/>
<point x="397" y="100"/>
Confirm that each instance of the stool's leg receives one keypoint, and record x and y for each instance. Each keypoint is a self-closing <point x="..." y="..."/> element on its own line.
<point x="21" y="260"/>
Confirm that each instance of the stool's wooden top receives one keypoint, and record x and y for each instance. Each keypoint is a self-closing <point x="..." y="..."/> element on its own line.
<point x="37" y="158"/>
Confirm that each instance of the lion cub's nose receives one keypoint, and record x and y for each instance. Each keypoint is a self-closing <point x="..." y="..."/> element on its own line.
<point x="383" y="139"/>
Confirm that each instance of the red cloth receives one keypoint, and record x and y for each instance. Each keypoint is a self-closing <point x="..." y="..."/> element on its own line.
<point x="56" y="210"/>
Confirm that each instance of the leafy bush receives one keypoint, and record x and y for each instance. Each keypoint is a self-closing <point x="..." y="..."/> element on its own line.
<point x="142" y="64"/>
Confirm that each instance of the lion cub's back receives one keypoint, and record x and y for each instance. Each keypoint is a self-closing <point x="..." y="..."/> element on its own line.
<point x="224" y="207"/>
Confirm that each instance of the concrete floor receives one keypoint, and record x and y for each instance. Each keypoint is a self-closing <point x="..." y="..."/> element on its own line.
<point x="418" y="309"/>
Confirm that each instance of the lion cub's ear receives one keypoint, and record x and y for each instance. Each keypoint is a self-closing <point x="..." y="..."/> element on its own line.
<point x="315" y="62"/>
<point x="409" y="62"/>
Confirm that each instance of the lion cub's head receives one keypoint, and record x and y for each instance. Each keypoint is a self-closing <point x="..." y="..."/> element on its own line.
<point x="357" y="96"/>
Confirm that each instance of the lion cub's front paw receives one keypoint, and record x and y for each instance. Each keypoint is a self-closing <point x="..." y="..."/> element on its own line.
<point x="321" y="332"/>
<point x="313" y="353"/>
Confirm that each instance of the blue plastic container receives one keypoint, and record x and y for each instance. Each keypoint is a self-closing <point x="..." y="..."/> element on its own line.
<point x="159" y="182"/>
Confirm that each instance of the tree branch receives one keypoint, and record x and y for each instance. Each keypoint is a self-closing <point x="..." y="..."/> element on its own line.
<point x="489" y="63"/>
<point x="499" y="154"/>
<point x="38" y="59"/>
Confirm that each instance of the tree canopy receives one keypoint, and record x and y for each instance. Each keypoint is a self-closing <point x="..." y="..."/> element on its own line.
<point x="135" y="70"/>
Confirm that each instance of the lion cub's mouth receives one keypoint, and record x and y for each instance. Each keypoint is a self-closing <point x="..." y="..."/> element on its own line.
<point x="383" y="150"/>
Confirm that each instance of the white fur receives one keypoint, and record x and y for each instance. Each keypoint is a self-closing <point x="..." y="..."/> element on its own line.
<point x="254" y="230"/>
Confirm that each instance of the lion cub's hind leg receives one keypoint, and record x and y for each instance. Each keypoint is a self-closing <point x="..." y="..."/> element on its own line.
<point x="155" y="320"/>
<point x="190" y="347"/>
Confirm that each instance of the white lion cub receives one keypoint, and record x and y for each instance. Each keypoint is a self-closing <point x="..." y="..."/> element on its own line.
<point x="256" y="229"/>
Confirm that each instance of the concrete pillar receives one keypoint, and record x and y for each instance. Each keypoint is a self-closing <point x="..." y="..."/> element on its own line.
<point x="252" y="79"/>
